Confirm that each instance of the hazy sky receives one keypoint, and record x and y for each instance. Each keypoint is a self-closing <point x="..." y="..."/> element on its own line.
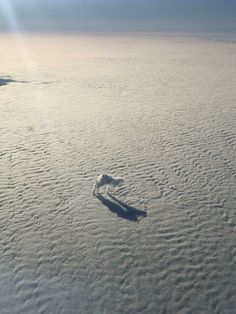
<point x="116" y="15"/>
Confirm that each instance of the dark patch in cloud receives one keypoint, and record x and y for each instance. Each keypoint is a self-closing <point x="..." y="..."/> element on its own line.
<point x="6" y="80"/>
<point x="43" y="83"/>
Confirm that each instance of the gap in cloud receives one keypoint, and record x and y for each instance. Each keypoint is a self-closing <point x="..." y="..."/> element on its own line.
<point x="6" y="80"/>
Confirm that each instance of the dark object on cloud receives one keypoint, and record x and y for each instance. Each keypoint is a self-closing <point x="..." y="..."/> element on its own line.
<point x="41" y="83"/>
<point x="6" y="81"/>
<point x="121" y="209"/>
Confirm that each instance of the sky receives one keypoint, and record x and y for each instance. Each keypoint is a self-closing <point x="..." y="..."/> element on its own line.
<point x="117" y="15"/>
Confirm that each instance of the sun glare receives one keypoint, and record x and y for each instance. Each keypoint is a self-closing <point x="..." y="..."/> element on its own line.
<point x="14" y="30"/>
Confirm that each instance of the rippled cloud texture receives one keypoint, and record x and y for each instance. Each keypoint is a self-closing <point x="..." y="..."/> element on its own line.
<point x="125" y="15"/>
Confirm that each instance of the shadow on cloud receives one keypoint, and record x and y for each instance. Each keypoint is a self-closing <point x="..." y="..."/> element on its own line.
<point x="121" y="209"/>
<point x="6" y="80"/>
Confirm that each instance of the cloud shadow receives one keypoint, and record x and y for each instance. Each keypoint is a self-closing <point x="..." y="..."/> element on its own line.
<point x="6" y="81"/>
<point x="121" y="209"/>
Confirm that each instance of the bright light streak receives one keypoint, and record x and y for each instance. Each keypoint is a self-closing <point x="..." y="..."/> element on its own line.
<point x="11" y="20"/>
<point x="7" y="9"/>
